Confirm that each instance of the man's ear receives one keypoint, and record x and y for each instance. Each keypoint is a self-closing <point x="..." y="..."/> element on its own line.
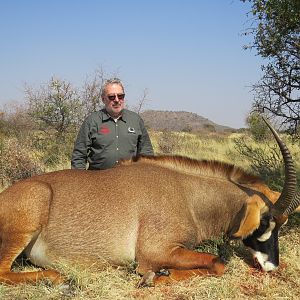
<point x="255" y="207"/>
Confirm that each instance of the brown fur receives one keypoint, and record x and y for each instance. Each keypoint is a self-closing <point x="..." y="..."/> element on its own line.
<point x="155" y="211"/>
<point x="211" y="168"/>
<point x="254" y="209"/>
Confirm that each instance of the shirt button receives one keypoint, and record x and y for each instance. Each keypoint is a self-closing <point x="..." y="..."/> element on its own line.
<point x="117" y="148"/>
<point x="117" y="136"/>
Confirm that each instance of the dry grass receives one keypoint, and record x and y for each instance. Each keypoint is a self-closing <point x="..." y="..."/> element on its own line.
<point x="198" y="146"/>
<point x="239" y="282"/>
<point x="210" y="146"/>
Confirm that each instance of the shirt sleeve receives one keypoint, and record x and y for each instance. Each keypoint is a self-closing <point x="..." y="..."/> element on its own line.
<point x="81" y="147"/>
<point x="144" y="146"/>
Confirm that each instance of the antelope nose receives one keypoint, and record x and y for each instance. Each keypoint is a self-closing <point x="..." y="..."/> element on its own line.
<point x="256" y="264"/>
<point x="264" y="266"/>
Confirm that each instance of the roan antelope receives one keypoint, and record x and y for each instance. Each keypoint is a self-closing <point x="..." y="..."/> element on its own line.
<point x="154" y="211"/>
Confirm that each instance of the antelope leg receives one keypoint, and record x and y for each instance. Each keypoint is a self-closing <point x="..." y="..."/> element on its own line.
<point x="11" y="246"/>
<point x="178" y="275"/>
<point x="182" y="258"/>
<point x="181" y="264"/>
<point x="151" y="279"/>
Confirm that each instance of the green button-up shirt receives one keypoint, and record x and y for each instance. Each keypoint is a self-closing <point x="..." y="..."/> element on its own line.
<point x="103" y="141"/>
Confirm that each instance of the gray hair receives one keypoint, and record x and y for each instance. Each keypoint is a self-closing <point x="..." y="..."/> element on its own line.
<point x="109" y="82"/>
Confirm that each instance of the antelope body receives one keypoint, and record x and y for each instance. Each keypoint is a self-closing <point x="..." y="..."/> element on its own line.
<point x="154" y="211"/>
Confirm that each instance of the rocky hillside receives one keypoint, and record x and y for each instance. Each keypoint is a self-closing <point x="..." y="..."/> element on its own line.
<point x="180" y="121"/>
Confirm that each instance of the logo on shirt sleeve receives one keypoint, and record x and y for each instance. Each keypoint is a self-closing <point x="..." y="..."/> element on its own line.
<point x="104" y="130"/>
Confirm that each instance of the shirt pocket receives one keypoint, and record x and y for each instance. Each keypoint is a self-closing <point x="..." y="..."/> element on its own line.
<point x="101" y="141"/>
<point x="132" y="139"/>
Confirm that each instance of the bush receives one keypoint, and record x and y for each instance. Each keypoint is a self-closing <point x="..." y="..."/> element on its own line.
<point x="265" y="160"/>
<point x="257" y="127"/>
<point x="15" y="121"/>
<point x="53" y="150"/>
<point x="17" y="161"/>
<point x="168" y="143"/>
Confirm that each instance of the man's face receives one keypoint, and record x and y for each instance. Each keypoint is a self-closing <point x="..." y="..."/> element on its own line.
<point x="114" y="100"/>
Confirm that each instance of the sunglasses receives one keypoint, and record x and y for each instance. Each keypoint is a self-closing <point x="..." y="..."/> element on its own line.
<point x="113" y="97"/>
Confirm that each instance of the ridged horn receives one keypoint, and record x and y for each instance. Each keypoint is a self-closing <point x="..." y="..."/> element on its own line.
<point x="287" y="198"/>
<point x="295" y="203"/>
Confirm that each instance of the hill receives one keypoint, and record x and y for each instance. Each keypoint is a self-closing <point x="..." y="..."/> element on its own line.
<point x="180" y="121"/>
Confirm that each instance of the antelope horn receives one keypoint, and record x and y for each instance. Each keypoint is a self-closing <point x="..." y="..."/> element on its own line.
<point x="295" y="203"/>
<point x="287" y="199"/>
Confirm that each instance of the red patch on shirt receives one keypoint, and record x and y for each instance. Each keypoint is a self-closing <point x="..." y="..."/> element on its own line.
<point x="104" y="130"/>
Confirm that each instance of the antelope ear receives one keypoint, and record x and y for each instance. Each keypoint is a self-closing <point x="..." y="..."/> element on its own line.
<point x="255" y="207"/>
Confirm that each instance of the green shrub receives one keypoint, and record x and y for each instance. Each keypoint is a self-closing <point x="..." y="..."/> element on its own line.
<point x="258" y="127"/>
<point x="53" y="150"/>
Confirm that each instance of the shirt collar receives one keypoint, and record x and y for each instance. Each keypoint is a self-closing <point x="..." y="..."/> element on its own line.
<point x="106" y="116"/>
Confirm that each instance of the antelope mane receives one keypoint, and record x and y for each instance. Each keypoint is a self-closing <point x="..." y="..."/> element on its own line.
<point x="211" y="168"/>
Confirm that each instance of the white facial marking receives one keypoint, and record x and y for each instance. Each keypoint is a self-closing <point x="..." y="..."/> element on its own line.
<point x="266" y="235"/>
<point x="262" y="259"/>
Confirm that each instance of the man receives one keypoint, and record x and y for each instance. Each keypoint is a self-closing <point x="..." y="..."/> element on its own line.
<point x="111" y="134"/>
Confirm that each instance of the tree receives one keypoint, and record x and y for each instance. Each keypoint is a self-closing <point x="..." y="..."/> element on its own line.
<point x="141" y="102"/>
<point x="57" y="111"/>
<point x="55" y="106"/>
<point x="276" y="31"/>
<point x="91" y="93"/>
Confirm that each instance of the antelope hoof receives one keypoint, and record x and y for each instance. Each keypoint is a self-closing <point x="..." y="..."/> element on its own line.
<point x="147" y="280"/>
<point x="218" y="266"/>
<point x="163" y="272"/>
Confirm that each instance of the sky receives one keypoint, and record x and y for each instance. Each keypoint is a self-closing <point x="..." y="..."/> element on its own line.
<point x="188" y="54"/>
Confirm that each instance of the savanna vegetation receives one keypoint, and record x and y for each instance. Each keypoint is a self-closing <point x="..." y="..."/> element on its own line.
<point x="21" y="158"/>
<point x="38" y="137"/>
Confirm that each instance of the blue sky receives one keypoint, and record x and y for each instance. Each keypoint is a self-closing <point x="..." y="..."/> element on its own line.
<point x="188" y="53"/>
